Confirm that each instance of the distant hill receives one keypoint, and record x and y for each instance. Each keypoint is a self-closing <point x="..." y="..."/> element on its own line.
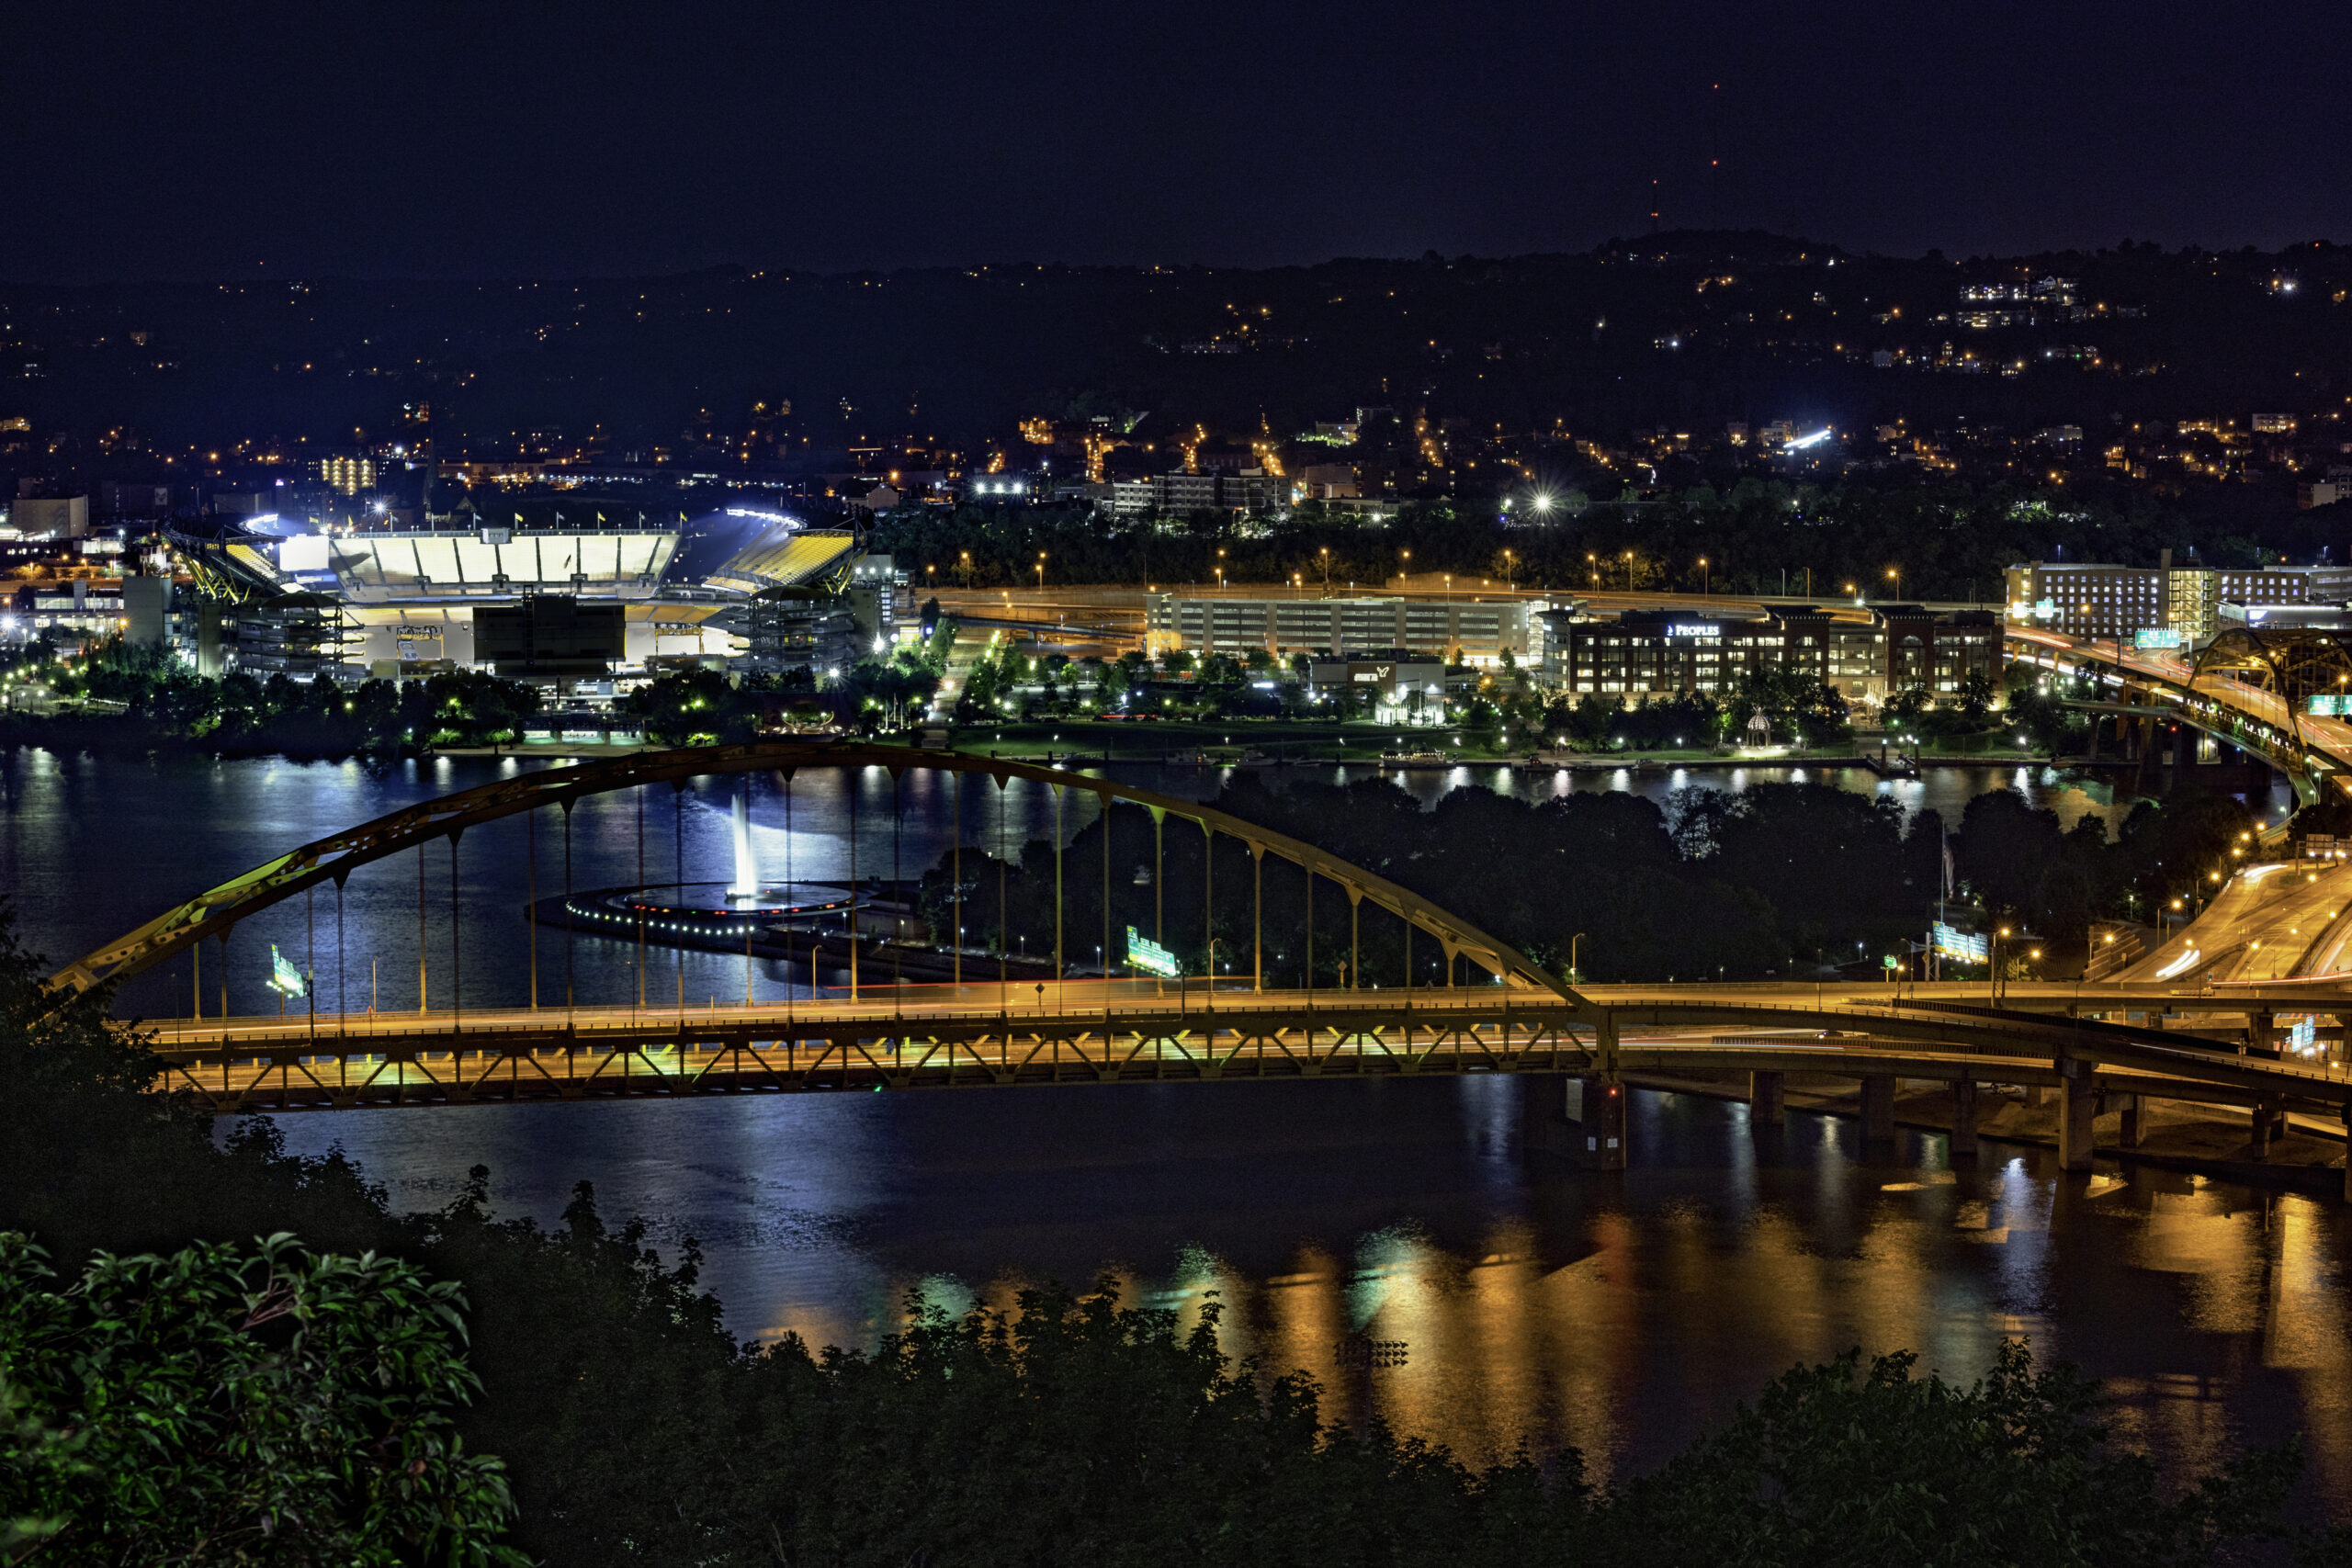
<point x="1676" y="328"/>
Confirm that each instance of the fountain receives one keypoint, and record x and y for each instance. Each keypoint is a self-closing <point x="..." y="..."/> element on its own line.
<point x="746" y="886"/>
<point x="716" y="914"/>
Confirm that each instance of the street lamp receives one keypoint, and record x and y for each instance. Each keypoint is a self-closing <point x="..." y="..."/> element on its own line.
<point x="1327" y="571"/>
<point x="1896" y="573"/>
<point x="1705" y="579"/>
<point x="1041" y="571"/>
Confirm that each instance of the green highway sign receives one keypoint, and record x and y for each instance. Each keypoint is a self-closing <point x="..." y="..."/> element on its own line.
<point x="1150" y="957"/>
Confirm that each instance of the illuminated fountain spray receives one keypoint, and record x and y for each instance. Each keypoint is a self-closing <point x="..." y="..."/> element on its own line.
<point x="747" y="877"/>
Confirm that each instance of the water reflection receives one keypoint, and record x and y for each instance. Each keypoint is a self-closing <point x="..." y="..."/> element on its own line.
<point x="1622" y="1315"/>
<point x="191" y="824"/>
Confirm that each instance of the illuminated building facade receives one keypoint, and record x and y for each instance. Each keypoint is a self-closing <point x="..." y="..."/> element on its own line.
<point x="1645" y="653"/>
<point x="1475" y="631"/>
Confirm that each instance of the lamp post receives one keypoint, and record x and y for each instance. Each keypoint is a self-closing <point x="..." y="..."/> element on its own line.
<point x="1576" y="975"/>
<point x="1895" y="572"/>
<point x="1041" y="571"/>
<point x="1327" y="571"/>
<point x="1405" y="570"/>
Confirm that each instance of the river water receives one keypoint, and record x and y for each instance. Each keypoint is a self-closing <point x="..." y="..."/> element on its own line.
<point x="1621" y="1314"/>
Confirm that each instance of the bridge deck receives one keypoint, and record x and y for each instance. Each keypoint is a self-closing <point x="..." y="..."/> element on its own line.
<point x="1125" y="1031"/>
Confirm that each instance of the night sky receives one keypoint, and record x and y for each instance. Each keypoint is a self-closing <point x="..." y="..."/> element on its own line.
<point x="177" y="140"/>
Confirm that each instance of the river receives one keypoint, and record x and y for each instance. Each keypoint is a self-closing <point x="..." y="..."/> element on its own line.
<point x="1621" y="1314"/>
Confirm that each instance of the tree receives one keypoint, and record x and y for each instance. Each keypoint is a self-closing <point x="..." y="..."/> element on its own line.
<point x="1908" y="704"/>
<point x="2006" y="848"/>
<point x="1220" y="672"/>
<point x="226" y="1404"/>
<point x="2011" y="1469"/>
<point x="692" y="707"/>
<point x="1976" y="696"/>
<point x="1798" y="703"/>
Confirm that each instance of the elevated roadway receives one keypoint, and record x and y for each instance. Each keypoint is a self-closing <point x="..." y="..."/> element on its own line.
<point x="2235" y="690"/>
<point x="2164" y="1036"/>
<point x="2172" y="1043"/>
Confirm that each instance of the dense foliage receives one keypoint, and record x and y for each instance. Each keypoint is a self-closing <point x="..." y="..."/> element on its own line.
<point x="226" y="1405"/>
<point x="159" y="700"/>
<point x="1076" y="1430"/>
<point x="879" y="691"/>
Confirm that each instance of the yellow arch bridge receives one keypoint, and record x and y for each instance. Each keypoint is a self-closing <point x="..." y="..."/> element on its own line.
<point x="2095" y="1043"/>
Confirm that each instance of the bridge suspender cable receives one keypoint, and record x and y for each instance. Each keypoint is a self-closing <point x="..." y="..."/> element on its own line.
<point x="217" y="910"/>
<point x="956" y="888"/>
<point x="530" y="901"/>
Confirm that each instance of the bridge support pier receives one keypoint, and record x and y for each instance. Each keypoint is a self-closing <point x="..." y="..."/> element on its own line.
<point x="1604" y="1124"/>
<point x="1767" y="1099"/>
<point x="2347" y="1150"/>
<point x="2078" y="1105"/>
<point x="1963" y="1118"/>
<point x="2261" y="1031"/>
<point x="2269" y="1121"/>
<point x="2132" y="1125"/>
<point x="1877" y="1109"/>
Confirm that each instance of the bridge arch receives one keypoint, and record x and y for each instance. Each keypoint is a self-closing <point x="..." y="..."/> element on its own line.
<point x="2292" y="662"/>
<point x="218" y="909"/>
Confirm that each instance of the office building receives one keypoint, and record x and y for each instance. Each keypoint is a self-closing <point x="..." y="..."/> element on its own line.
<point x="1403" y="691"/>
<point x="79" y="611"/>
<point x="878" y="598"/>
<point x="346" y="473"/>
<point x="146" y="610"/>
<point x="51" y="517"/>
<point x="1645" y="653"/>
<point x="1175" y="495"/>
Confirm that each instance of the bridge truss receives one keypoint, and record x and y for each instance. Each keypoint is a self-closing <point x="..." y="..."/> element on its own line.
<point x="1125" y="1032"/>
